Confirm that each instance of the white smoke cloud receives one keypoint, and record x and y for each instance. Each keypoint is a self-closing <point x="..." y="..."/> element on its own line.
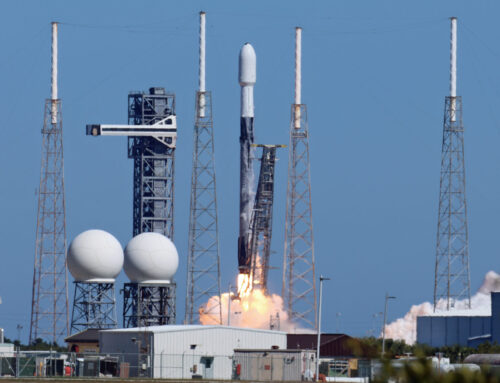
<point x="255" y="310"/>
<point x="406" y="328"/>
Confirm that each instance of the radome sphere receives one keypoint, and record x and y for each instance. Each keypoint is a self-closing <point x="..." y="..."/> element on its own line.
<point x="95" y="256"/>
<point x="151" y="258"/>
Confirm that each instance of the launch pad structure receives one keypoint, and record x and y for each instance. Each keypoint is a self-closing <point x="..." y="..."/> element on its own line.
<point x="261" y="223"/>
<point x="203" y="269"/>
<point x="49" y="306"/>
<point x="299" y="280"/>
<point x="94" y="306"/>
<point x="152" y="134"/>
<point x="452" y="275"/>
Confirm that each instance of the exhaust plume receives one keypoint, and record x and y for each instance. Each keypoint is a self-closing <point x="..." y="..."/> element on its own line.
<point x="406" y="328"/>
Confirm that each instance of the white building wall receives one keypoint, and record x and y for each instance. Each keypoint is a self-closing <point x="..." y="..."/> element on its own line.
<point x="172" y="356"/>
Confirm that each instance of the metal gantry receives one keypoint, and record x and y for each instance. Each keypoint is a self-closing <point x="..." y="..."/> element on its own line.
<point x="203" y="271"/>
<point x="154" y="164"/>
<point x="262" y="219"/>
<point x="452" y="279"/>
<point x="49" y="307"/>
<point x="94" y="306"/>
<point x="146" y="304"/>
<point x="152" y="135"/>
<point x="299" y="288"/>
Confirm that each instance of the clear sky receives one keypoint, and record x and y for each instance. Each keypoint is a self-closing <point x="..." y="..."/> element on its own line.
<point x="375" y="75"/>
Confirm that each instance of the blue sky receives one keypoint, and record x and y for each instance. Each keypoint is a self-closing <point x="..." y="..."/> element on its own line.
<point x="375" y="75"/>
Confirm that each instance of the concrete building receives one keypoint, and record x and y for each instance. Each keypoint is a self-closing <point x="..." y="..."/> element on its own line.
<point x="185" y="351"/>
<point x="463" y="328"/>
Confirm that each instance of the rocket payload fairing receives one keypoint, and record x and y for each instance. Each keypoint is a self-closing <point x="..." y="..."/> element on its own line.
<point x="247" y="78"/>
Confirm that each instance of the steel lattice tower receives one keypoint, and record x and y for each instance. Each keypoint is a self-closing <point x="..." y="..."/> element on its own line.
<point x="452" y="278"/>
<point x="152" y="137"/>
<point x="203" y="271"/>
<point x="154" y="164"/>
<point x="299" y="282"/>
<point x="94" y="306"/>
<point x="49" y="308"/>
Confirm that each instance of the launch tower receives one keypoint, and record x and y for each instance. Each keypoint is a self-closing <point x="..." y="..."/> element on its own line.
<point x="299" y="282"/>
<point x="452" y="279"/>
<point x="152" y="134"/>
<point x="203" y="271"/>
<point x="49" y="308"/>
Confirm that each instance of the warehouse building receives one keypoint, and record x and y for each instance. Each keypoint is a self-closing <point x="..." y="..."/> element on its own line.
<point x="185" y="351"/>
<point x="463" y="328"/>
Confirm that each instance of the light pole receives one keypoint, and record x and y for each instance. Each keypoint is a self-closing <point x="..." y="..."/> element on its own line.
<point x="318" y="342"/>
<point x="387" y="297"/>
<point x="374" y="323"/>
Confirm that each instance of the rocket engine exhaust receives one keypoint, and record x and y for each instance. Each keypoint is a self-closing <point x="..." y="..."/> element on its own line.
<point x="247" y="79"/>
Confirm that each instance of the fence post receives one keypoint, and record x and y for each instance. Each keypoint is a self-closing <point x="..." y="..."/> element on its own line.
<point x="17" y="362"/>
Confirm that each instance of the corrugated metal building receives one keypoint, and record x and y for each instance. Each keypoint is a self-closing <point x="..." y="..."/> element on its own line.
<point x="185" y="351"/>
<point x="440" y="330"/>
<point x="276" y="365"/>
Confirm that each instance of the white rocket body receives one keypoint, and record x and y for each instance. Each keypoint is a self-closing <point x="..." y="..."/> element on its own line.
<point x="247" y="79"/>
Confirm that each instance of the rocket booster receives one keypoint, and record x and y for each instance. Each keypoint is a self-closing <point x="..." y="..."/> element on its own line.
<point x="247" y="78"/>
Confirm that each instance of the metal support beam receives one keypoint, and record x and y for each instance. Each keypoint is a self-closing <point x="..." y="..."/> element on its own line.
<point x="299" y="287"/>
<point x="203" y="271"/>
<point x="94" y="306"/>
<point x="148" y="304"/>
<point x="262" y="219"/>
<point x="452" y="276"/>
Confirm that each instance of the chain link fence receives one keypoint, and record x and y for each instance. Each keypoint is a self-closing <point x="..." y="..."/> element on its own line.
<point x="188" y="365"/>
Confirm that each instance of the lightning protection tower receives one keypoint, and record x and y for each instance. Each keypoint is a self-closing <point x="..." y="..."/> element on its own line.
<point x="299" y="282"/>
<point x="49" y="307"/>
<point x="203" y="271"/>
<point x="452" y="279"/>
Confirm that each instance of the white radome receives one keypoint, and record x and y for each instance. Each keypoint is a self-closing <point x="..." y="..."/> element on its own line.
<point x="151" y="258"/>
<point x="95" y="256"/>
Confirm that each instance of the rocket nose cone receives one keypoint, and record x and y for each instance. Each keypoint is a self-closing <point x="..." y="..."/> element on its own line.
<point x="248" y="65"/>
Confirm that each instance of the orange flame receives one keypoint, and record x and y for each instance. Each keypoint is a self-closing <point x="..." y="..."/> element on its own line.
<point x="244" y="285"/>
<point x="251" y="308"/>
